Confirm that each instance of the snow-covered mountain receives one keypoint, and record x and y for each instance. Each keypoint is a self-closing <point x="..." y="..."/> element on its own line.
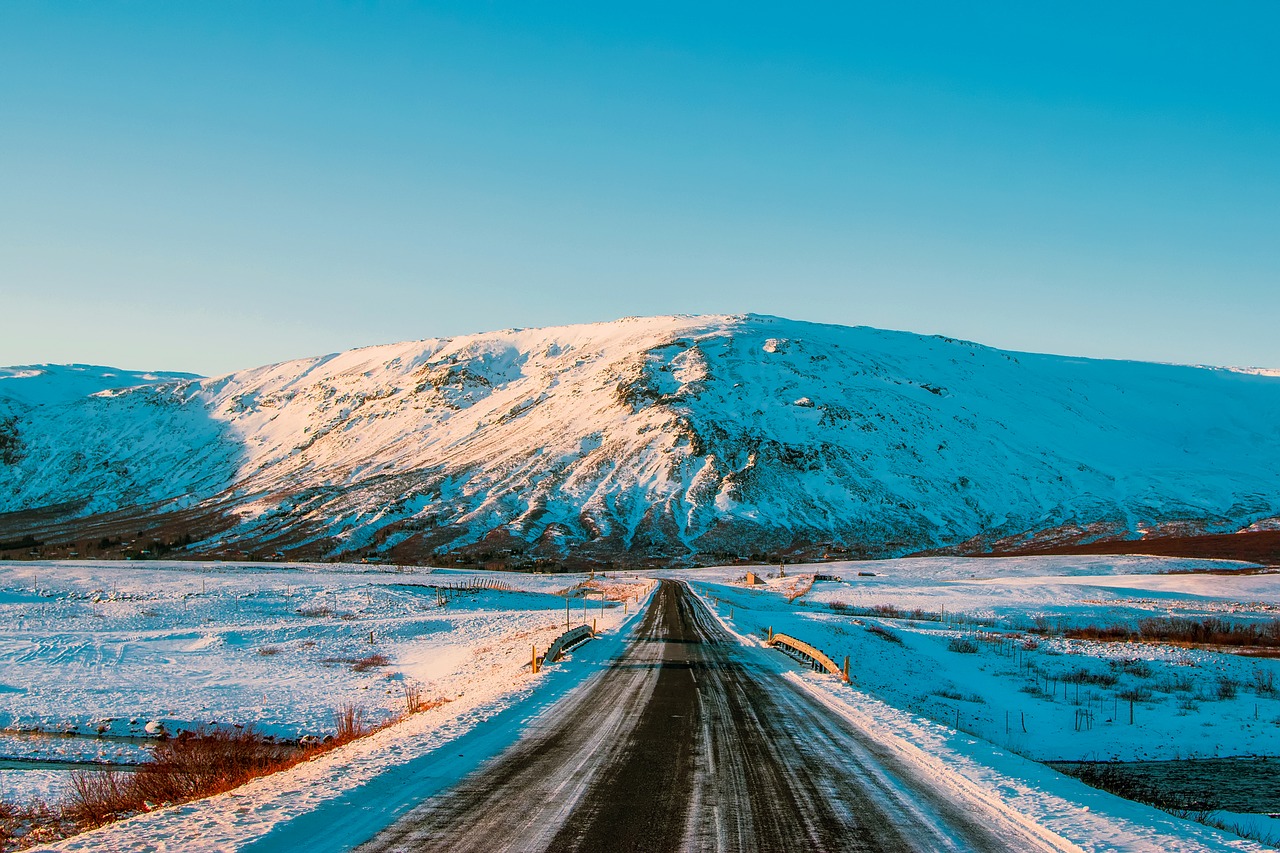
<point x="657" y="439"/>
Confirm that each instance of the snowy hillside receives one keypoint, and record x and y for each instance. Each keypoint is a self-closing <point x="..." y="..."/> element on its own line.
<point x="669" y="438"/>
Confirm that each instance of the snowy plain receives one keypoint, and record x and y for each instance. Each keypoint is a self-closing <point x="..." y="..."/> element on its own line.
<point x="956" y="716"/>
<point x="97" y="658"/>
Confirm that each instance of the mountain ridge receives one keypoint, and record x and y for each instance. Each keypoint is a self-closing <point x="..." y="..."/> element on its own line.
<point x="675" y="439"/>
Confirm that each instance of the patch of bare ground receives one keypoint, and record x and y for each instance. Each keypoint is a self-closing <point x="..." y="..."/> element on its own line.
<point x="190" y="766"/>
<point x="1261" y="546"/>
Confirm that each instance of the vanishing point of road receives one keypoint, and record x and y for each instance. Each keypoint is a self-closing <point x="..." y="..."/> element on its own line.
<point x="680" y="743"/>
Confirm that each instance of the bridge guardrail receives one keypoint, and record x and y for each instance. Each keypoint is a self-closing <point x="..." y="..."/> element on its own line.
<point x="810" y="654"/>
<point x="566" y="641"/>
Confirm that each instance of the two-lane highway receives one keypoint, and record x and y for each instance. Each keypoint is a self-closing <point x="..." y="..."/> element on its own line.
<point x="682" y="744"/>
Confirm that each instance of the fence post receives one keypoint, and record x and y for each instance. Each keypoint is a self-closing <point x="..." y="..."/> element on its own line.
<point x="846" y="667"/>
<point x="534" y="665"/>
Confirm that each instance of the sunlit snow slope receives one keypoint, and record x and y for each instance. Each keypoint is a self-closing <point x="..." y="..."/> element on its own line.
<point x="668" y="438"/>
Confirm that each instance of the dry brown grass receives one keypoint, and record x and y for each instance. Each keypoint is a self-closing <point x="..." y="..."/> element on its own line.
<point x="349" y="723"/>
<point x="200" y="764"/>
<point x="884" y="633"/>
<point x="364" y="664"/>
<point x="192" y="765"/>
<point x="1209" y="631"/>
<point x="369" y="662"/>
<point x="26" y="824"/>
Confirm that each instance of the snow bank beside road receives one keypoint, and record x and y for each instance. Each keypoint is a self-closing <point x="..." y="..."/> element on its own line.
<point x="974" y="770"/>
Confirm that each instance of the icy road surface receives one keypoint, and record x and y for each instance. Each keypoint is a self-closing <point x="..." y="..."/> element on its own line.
<point x="682" y="743"/>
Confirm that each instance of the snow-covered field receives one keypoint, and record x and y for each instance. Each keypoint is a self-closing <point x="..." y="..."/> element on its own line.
<point x="95" y="658"/>
<point x="1016" y="679"/>
<point x="1018" y="693"/>
<point x="181" y="644"/>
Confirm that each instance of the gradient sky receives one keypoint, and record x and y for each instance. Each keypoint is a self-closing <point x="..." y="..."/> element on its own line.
<point x="212" y="186"/>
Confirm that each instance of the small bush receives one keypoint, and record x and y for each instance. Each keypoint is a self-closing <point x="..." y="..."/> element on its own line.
<point x="369" y="662"/>
<point x="1227" y="688"/>
<point x="1081" y="675"/>
<point x="947" y="693"/>
<point x="314" y="610"/>
<point x="1133" y="666"/>
<point x="962" y="645"/>
<point x="268" y="651"/>
<point x="190" y="766"/>
<point x="96" y="797"/>
<point x="1136" y="694"/>
<point x="349" y="722"/>
<point x="194" y="764"/>
<point x="886" y="610"/>
<point x="363" y="664"/>
<point x="413" y="701"/>
<point x="1176" y="684"/>
<point x="207" y="761"/>
<point x="884" y="633"/>
<point x="28" y="823"/>
<point x="1264" y="682"/>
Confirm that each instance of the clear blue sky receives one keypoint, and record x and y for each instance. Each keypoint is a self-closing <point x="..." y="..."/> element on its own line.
<point x="211" y="186"/>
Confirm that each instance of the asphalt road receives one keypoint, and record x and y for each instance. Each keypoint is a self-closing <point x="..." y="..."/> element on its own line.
<point x="683" y="744"/>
